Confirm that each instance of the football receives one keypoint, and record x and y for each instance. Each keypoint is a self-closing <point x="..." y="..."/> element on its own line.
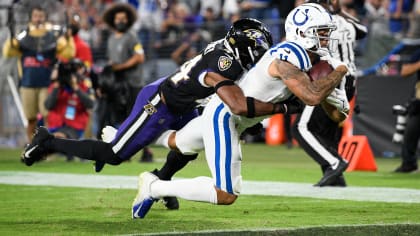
<point x="319" y="70"/>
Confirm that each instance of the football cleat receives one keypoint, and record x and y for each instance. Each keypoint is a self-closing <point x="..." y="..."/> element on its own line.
<point x="35" y="151"/>
<point x="331" y="174"/>
<point x="339" y="181"/>
<point x="143" y="201"/>
<point x="406" y="168"/>
<point x="171" y="203"/>
<point x="99" y="165"/>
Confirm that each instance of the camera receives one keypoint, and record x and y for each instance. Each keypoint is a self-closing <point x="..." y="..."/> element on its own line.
<point x="401" y="112"/>
<point x="67" y="69"/>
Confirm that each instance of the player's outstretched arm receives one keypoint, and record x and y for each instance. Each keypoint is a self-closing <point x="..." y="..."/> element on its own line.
<point x="310" y="92"/>
<point x="233" y="96"/>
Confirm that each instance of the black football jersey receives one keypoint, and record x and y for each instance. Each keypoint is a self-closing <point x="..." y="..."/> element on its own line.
<point x="184" y="89"/>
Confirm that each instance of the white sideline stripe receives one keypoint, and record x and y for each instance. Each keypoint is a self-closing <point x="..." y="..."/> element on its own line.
<point x="374" y="194"/>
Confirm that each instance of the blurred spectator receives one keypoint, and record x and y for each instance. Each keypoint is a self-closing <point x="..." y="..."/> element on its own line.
<point x="231" y="8"/>
<point x="260" y="9"/>
<point x="398" y="22"/>
<point x="126" y="56"/>
<point x="37" y="48"/>
<point x="212" y="26"/>
<point x="186" y="50"/>
<point x="283" y="7"/>
<point x="414" y="29"/>
<point x="412" y="130"/>
<point x="69" y="100"/>
<point x="349" y="7"/>
<point x="376" y="18"/>
<point x="172" y="29"/>
<point x="150" y="18"/>
<point x="215" y="5"/>
<point x="83" y="51"/>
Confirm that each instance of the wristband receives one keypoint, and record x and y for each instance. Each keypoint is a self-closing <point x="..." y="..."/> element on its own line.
<point x="223" y="83"/>
<point x="250" y="107"/>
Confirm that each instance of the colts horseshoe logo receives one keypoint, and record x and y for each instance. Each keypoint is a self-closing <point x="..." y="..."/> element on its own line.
<point x="304" y="20"/>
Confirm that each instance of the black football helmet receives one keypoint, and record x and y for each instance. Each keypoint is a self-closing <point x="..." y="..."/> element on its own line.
<point x="249" y="39"/>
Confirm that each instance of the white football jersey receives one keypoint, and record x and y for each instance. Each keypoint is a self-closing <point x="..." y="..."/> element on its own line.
<point x="257" y="83"/>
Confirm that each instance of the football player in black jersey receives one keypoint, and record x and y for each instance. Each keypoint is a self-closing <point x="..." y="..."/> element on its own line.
<point x="170" y="102"/>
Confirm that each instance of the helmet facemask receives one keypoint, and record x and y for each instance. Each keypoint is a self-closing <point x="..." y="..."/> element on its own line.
<point x="316" y="35"/>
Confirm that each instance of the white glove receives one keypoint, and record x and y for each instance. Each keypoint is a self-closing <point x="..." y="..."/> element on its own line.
<point x="108" y="134"/>
<point x="333" y="62"/>
<point x="338" y="99"/>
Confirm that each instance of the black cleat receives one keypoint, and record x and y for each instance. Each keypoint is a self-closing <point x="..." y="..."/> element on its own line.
<point x="339" y="181"/>
<point x="99" y="165"/>
<point x="35" y="151"/>
<point x="406" y="169"/>
<point x="331" y="174"/>
<point x="171" y="203"/>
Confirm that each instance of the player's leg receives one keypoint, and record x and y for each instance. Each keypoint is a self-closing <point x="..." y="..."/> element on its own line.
<point x="138" y="130"/>
<point x="309" y="131"/>
<point x="223" y="155"/>
<point x="224" y="169"/>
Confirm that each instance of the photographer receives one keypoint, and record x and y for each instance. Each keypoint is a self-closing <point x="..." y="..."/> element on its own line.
<point x="412" y="128"/>
<point x="37" y="48"/>
<point x="69" y="99"/>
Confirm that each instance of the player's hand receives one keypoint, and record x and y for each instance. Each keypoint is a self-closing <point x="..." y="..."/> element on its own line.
<point x="335" y="63"/>
<point x="108" y="134"/>
<point x="295" y="106"/>
<point x="339" y="100"/>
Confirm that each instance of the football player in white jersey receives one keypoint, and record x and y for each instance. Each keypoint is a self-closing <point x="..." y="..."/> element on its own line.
<point x="278" y="76"/>
<point x="315" y="132"/>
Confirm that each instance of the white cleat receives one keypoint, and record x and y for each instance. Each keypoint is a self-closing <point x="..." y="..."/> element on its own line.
<point x="143" y="201"/>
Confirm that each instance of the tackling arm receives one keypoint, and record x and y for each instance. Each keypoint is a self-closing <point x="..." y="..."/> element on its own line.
<point x="233" y="96"/>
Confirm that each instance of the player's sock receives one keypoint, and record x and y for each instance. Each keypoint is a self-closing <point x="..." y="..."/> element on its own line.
<point x="174" y="162"/>
<point x="85" y="149"/>
<point x="198" y="189"/>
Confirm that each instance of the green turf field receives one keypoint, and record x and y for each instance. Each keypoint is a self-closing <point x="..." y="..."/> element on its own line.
<point x="45" y="210"/>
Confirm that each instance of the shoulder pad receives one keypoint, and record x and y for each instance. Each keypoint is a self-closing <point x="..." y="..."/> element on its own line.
<point x="292" y="53"/>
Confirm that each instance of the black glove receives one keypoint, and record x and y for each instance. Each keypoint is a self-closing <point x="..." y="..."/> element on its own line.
<point x="254" y="130"/>
<point x="290" y="107"/>
<point x="295" y="106"/>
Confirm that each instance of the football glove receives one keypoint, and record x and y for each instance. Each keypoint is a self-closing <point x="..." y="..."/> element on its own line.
<point x="333" y="62"/>
<point x="108" y="134"/>
<point x="339" y="100"/>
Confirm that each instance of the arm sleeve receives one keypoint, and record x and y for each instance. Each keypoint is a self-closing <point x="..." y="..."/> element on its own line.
<point x="51" y="100"/>
<point x="85" y="99"/>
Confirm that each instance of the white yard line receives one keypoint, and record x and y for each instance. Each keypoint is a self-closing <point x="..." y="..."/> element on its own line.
<point x="375" y="194"/>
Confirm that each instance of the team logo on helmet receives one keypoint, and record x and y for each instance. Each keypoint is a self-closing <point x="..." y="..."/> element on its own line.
<point x="302" y="22"/>
<point x="224" y="63"/>
<point x="257" y="36"/>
